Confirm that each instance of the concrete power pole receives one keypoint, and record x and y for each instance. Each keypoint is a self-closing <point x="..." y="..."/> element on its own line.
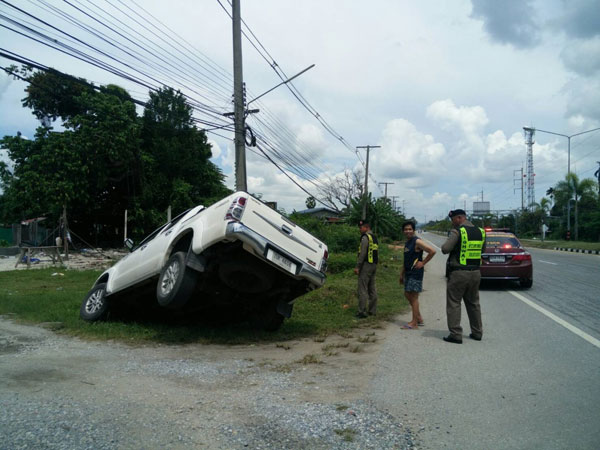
<point x="366" y="189"/>
<point x="529" y="133"/>
<point x="238" y="100"/>
<point x="386" y="185"/>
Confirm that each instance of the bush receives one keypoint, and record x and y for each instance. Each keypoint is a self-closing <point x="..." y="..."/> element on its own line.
<point x="338" y="237"/>
<point x="340" y="262"/>
<point x="3" y="243"/>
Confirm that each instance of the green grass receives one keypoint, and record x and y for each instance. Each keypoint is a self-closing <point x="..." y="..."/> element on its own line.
<point x="561" y="244"/>
<point x="35" y="296"/>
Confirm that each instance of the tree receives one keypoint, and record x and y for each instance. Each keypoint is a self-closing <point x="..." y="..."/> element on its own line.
<point x="107" y="159"/>
<point x="311" y="202"/>
<point x="175" y="162"/>
<point x="384" y="220"/>
<point x="88" y="167"/>
<point x="342" y="189"/>
<point x="574" y="189"/>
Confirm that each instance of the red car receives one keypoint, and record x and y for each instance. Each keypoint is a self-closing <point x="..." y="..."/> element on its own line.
<point x="504" y="258"/>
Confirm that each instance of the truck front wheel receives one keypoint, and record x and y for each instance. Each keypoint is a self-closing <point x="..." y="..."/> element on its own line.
<point x="176" y="282"/>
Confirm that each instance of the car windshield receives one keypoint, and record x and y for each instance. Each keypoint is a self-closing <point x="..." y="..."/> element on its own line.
<point x="504" y="241"/>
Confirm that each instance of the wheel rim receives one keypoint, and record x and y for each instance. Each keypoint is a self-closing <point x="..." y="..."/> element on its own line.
<point x="170" y="278"/>
<point x="95" y="302"/>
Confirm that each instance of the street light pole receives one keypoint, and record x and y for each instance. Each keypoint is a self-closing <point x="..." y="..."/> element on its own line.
<point x="568" y="165"/>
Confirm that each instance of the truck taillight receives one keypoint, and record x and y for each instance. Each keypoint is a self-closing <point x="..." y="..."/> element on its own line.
<point x="326" y="254"/>
<point x="236" y="209"/>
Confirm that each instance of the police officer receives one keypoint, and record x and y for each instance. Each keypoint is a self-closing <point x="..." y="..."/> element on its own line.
<point x="464" y="244"/>
<point x="366" y="267"/>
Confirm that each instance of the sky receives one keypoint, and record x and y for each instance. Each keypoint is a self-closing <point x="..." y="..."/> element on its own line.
<point x="443" y="87"/>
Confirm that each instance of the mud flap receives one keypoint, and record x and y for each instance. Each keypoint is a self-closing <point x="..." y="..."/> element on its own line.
<point x="285" y="308"/>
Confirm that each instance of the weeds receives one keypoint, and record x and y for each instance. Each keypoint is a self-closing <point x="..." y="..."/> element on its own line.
<point x="309" y="359"/>
<point x="347" y="434"/>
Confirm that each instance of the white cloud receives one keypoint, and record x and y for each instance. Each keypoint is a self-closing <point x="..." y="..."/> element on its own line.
<point x="215" y="149"/>
<point x="469" y="120"/>
<point x="407" y="154"/>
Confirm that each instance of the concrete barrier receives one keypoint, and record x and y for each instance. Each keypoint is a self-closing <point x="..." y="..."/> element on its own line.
<point x="578" y="250"/>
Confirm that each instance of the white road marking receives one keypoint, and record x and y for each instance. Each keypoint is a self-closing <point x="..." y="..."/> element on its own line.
<point x="582" y="334"/>
<point x="548" y="262"/>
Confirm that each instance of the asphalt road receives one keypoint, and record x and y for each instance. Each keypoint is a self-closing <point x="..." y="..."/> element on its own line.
<point x="531" y="383"/>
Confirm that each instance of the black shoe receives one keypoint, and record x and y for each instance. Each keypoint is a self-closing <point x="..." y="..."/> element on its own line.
<point x="361" y="315"/>
<point x="453" y="340"/>
<point x="476" y="338"/>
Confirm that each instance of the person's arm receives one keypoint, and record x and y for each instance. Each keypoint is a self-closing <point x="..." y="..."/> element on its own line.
<point x="450" y="242"/>
<point x="422" y="245"/>
<point x="362" y="255"/>
<point x="402" y="275"/>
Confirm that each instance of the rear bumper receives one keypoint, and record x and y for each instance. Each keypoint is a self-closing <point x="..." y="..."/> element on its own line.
<point x="260" y="246"/>
<point x="506" y="272"/>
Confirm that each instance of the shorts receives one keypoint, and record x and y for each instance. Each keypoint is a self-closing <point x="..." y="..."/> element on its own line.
<point x="413" y="285"/>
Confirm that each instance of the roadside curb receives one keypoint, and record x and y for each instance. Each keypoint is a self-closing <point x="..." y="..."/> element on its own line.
<point x="578" y="250"/>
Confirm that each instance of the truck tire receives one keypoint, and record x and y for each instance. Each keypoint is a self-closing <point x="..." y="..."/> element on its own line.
<point x="176" y="282"/>
<point x="269" y="318"/>
<point x="95" y="304"/>
<point x="246" y="275"/>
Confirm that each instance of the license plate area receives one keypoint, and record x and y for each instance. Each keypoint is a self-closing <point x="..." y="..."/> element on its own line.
<point x="497" y="259"/>
<point x="281" y="261"/>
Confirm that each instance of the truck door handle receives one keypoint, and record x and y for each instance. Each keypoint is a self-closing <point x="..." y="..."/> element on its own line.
<point x="287" y="230"/>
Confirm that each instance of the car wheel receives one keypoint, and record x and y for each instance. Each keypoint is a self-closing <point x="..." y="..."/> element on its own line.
<point x="176" y="282"/>
<point x="526" y="283"/>
<point x="95" y="304"/>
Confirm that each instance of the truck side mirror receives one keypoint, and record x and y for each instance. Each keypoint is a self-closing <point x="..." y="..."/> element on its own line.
<point x="128" y="243"/>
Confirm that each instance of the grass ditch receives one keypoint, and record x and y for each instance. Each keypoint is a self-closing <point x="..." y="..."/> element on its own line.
<point x="54" y="295"/>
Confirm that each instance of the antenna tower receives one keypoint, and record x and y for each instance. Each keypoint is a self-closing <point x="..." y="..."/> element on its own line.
<point x="530" y="187"/>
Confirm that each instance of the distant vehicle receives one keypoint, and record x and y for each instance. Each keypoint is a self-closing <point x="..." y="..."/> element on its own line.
<point x="238" y="254"/>
<point x="504" y="258"/>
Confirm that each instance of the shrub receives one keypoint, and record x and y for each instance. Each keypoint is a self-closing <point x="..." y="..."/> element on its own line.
<point x="340" y="262"/>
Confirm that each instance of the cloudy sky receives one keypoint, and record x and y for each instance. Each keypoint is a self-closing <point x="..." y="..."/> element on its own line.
<point x="444" y="87"/>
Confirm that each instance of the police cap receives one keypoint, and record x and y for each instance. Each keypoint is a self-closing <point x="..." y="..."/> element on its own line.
<point x="457" y="212"/>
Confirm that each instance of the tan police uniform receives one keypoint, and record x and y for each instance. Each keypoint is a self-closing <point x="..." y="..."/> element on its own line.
<point x="463" y="282"/>
<point x="368" y="257"/>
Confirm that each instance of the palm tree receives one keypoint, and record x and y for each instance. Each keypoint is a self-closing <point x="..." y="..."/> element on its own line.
<point x="573" y="189"/>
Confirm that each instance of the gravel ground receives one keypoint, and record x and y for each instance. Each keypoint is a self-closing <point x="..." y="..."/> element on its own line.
<point x="63" y="393"/>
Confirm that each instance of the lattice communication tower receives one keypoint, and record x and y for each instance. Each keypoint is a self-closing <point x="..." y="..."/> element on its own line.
<point x="530" y="176"/>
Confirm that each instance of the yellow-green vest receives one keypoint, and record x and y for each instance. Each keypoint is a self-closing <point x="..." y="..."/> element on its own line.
<point x="471" y="246"/>
<point x="373" y="250"/>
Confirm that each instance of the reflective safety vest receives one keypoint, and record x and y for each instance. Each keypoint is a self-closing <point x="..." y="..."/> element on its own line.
<point x="373" y="251"/>
<point x="472" y="240"/>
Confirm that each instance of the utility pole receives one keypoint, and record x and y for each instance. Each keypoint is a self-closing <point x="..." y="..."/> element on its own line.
<point x="386" y="185"/>
<point x="597" y="173"/>
<point x="516" y="189"/>
<point x="366" y="189"/>
<point x="238" y="100"/>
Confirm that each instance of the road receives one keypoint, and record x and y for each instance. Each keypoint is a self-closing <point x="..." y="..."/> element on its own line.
<point x="531" y="383"/>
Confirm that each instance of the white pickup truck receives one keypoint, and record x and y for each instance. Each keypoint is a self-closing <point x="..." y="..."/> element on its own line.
<point x="238" y="254"/>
